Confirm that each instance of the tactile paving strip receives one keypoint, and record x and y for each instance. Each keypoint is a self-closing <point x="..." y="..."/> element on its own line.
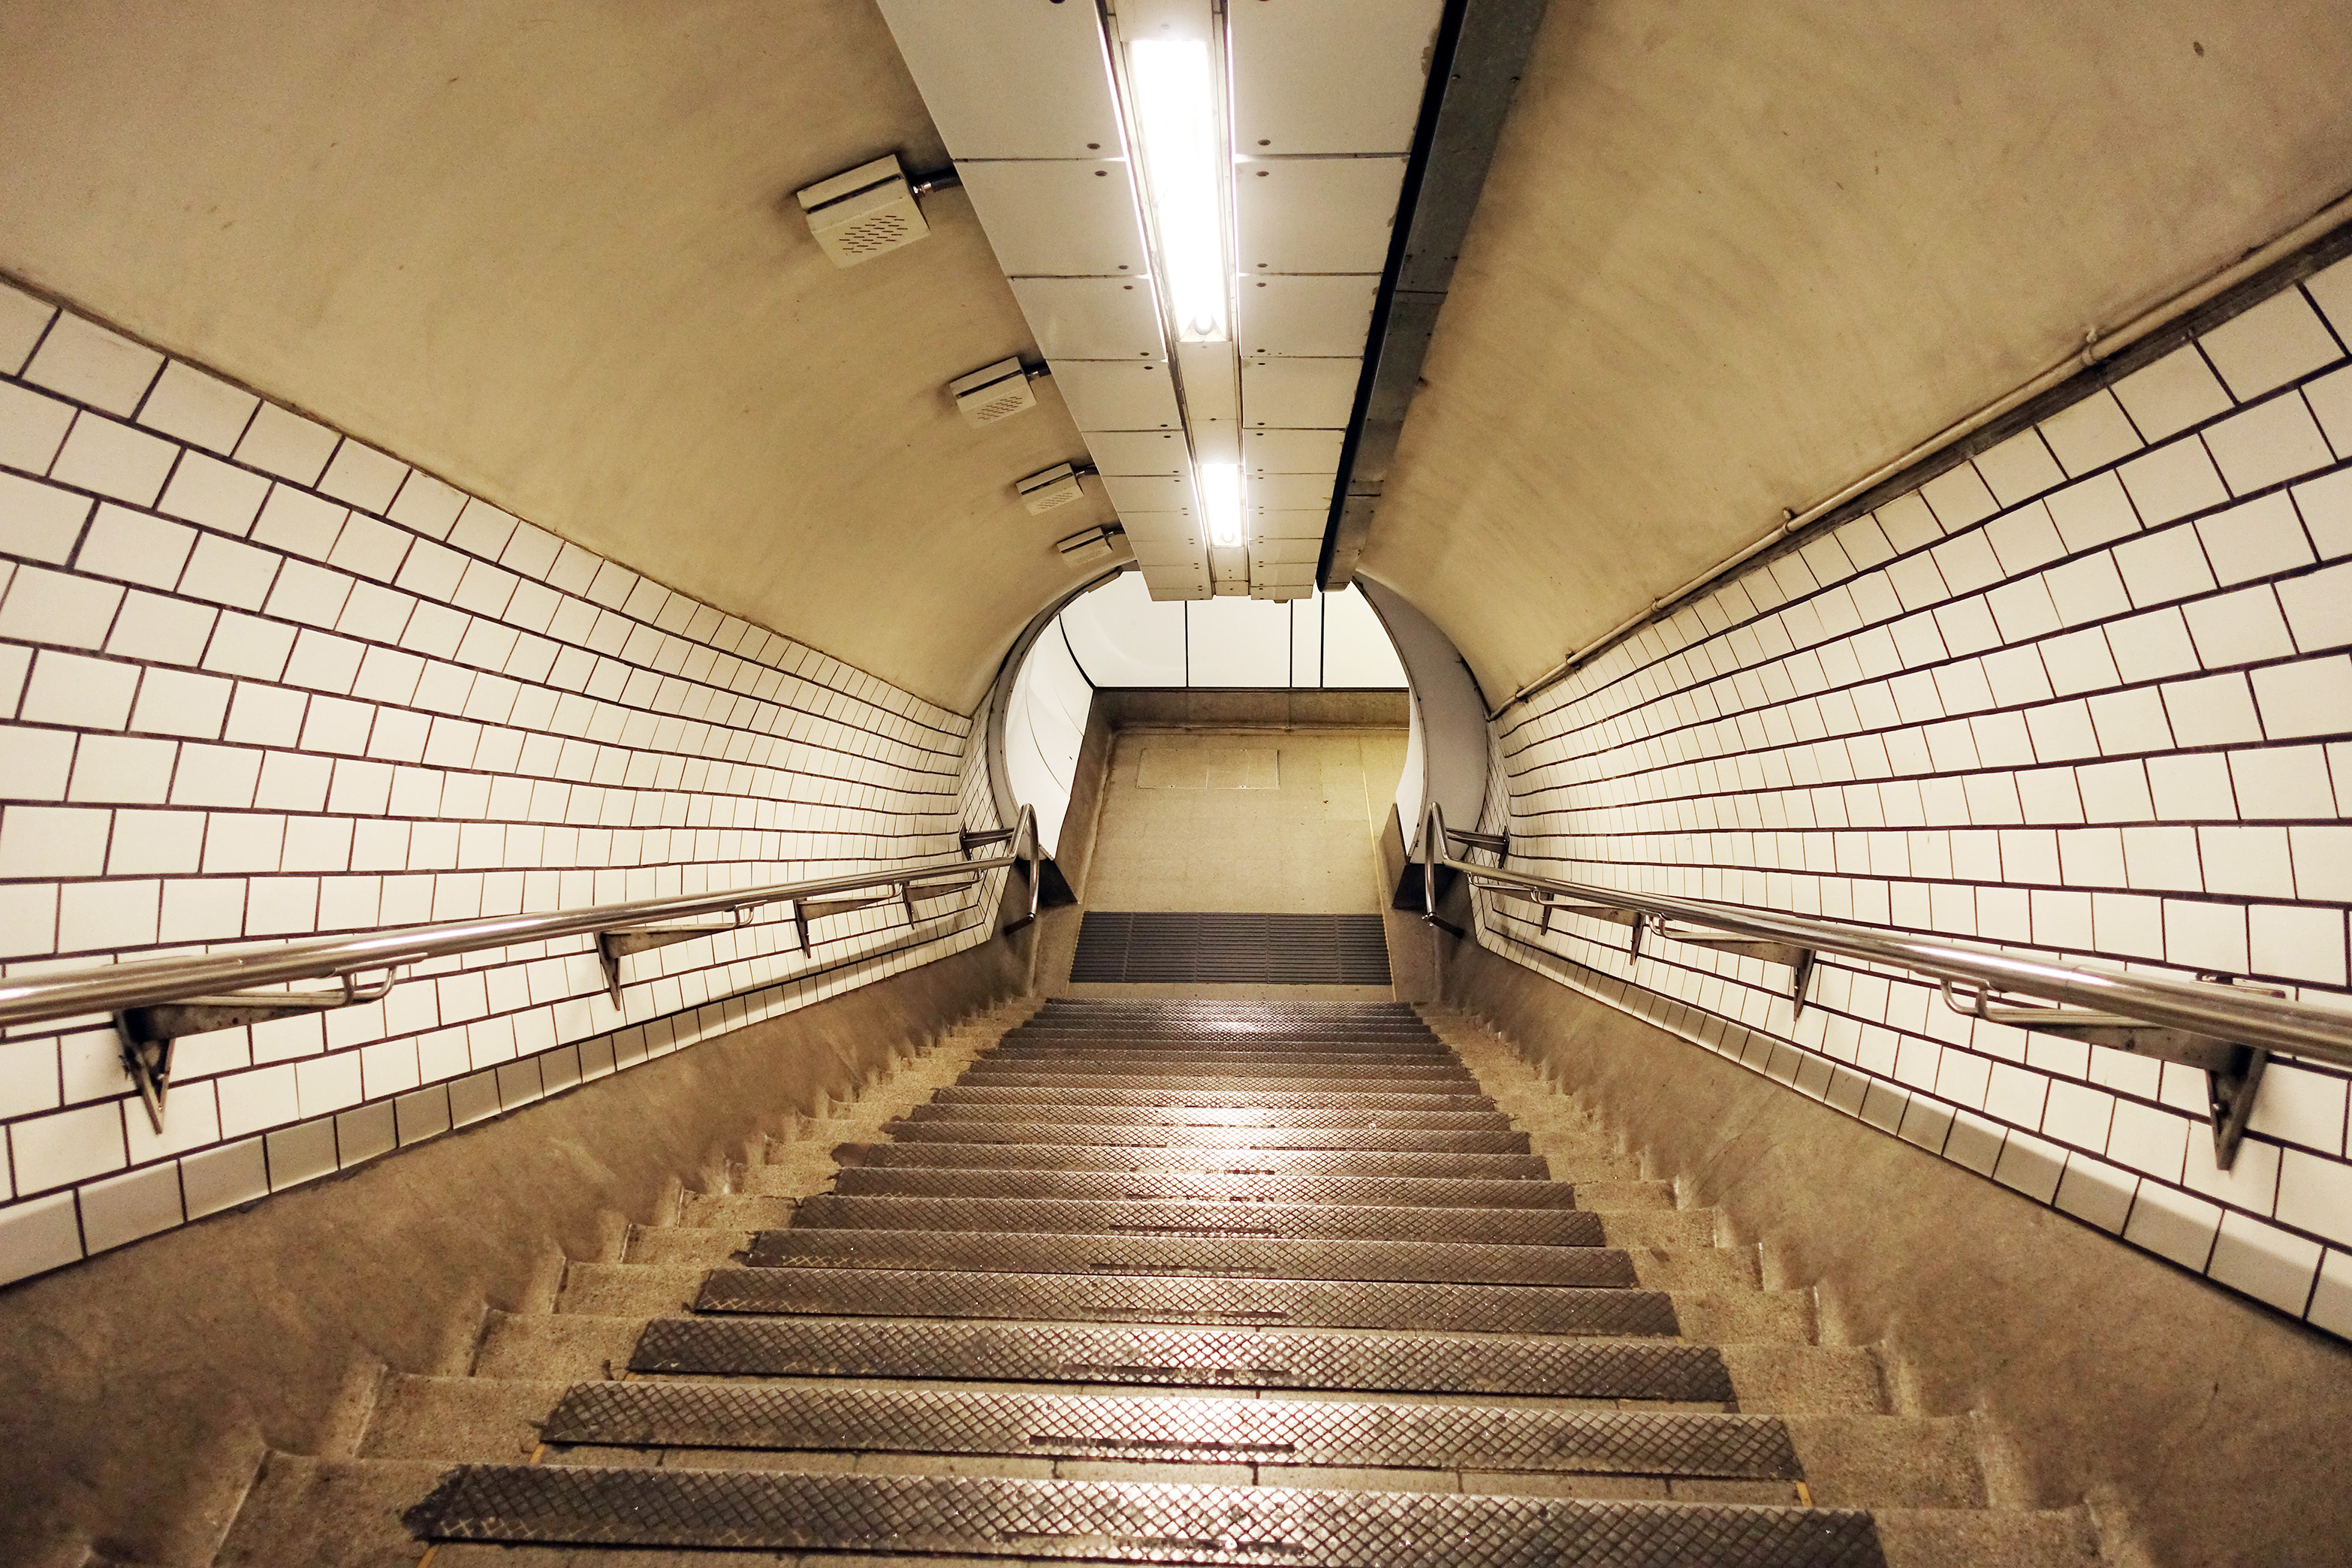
<point x="1375" y="1139"/>
<point x="1228" y="1257"/>
<point x="1188" y="1299"/>
<point x="1181" y="1358"/>
<point x="986" y="1094"/>
<point x="1111" y="1186"/>
<point x="1286" y="1162"/>
<point x="1513" y="1228"/>
<point x="1217" y="1116"/>
<point x="1258" y="1431"/>
<point x="1121" y="1521"/>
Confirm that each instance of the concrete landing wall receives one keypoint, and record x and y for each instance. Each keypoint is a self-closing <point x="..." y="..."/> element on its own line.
<point x="139" y="1392"/>
<point x="2202" y="1429"/>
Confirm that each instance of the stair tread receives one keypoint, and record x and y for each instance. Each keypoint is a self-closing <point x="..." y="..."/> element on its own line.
<point x="1548" y="1226"/>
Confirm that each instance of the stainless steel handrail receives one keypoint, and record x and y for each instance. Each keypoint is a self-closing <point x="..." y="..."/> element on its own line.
<point x="2216" y="1012"/>
<point x="157" y="981"/>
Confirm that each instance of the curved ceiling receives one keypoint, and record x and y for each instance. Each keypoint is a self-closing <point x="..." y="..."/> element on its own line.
<point x="1731" y="257"/>
<point x="552" y="253"/>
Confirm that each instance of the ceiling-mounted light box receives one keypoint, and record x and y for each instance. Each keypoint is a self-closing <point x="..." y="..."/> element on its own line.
<point x="1090" y="318"/>
<point x="1118" y="394"/>
<point x="1316" y="215"/>
<point x="1306" y="316"/>
<point x="1329" y="76"/>
<point x="963" y="57"/>
<point x="1058" y="219"/>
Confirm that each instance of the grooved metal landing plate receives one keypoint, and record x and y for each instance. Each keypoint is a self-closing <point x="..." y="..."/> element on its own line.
<point x="1223" y="1257"/>
<point x="1124" y="947"/>
<point x="1189" y="1299"/>
<point x="1375" y="1140"/>
<point x="985" y="1094"/>
<point x="1286" y="1163"/>
<point x="1216" y="1115"/>
<point x="1513" y="1228"/>
<point x="1121" y="1521"/>
<point x="1180" y="1358"/>
<point x="1221" y="1431"/>
<point x="1111" y="1186"/>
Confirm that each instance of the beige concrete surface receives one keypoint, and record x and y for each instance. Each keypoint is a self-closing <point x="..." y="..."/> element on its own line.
<point x="2195" y="1423"/>
<point x="1257" y="821"/>
<point x="1732" y="256"/>
<point x="139" y="1390"/>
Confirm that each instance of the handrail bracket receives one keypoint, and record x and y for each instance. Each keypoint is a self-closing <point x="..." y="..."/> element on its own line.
<point x="148" y="1034"/>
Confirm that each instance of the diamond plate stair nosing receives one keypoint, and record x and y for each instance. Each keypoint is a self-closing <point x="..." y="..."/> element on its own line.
<point x="1557" y="1226"/>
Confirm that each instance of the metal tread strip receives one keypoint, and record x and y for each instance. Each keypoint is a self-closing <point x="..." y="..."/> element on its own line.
<point x="1190" y="1299"/>
<point x="1219" y="1161"/>
<point x="1297" y="1222"/>
<point x="1186" y="1085"/>
<point x="1105" y="1425"/>
<point x="1234" y="1031"/>
<point x="986" y="1094"/>
<point x="1216" y="1115"/>
<point x="1181" y="1357"/>
<point x="1221" y="1256"/>
<point x="1116" y="1186"/>
<point x="1120" y="1522"/>
<point x="1239" y="1065"/>
<point x="1376" y="1139"/>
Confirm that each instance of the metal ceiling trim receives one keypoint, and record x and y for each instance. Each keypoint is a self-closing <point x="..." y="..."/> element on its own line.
<point x="1482" y="51"/>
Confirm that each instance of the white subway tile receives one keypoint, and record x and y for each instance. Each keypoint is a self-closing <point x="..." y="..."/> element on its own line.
<point x="2257" y="539"/>
<point x="2090" y="434"/>
<point x="195" y="408"/>
<point x="244" y="841"/>
<point x="2330" y="399"/>
<point x="67" y="689"/>
<point x="90" y="364"/>
<point x="2240" y="627"/>
<point x="248" y="646"/>
<point x="204" y="909"/>
<point x="34" y="765"/>
<point x="147" y="843"/>
<point x="426" y="505"/>
<point x="2096" y="1193"/>
<point x="2192" y="787"/>
<point x="2264" y="1262"/>
<point x="2128" y="924"/>
<point x="109" y="769"/>
<point x="482" y="529"/>
<point x="2319" y="609"/>
<point x="2088" y="590"/>
<point x="2264" y="445"/>
<point x="364" y="476"/>
<point x="223" y="1178"/>
<point x="2296" y="942"/>
<point x="338" y="726"/>
<point x="2252" y="860"/>
<point x="38" y="1235"/>
<point x="46" y="606"/>
<point x="266" y="715"/>
<point x="2198" y="935"/>
<point x="291" y="781"/>
<point x="39" y="520"/>
<point x="2172" y="481"/>
<point x="283" y="906"/>
<point x="2171" y="394"/>
<point x="114" y="460"/>
<point x="2310" y="696"/>
<point x="135" y="547"/>
<point x="2331" y="1302"/>
<point x="370" y="549"/>
<point x="302" y="1153"/>
<point x="2151" y="647"/>
<point x="1958" y="496"/>
<point x="256" y="1098"/>
<point x="216" y="775"/>
<point x="66" y="1146"/>
<point x="2283" y="782"/>
<point x="108" y="916"/>
<point x="325" y="662"/>
<point x="2162" y="566"/>
<point x="2217" y="711"/>
<point x="2173" y="1224"/>
<point x="2130" y="721"/>
<point x="2301" y="1107"/>
<point x="216" y="494"/>
<point x="32" y="428"/>
<point x="2273" y="344"/>
<point x="298" y="524"/>
<point x="23" y="320"/>
<point x="2152" y="1140"/>
<point x="285" y="444"/>
<point x="228" y="573"/>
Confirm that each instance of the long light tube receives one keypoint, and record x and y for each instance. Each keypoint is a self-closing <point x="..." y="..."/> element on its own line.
<point x="1221" y="495"/>
<point x="1176" y="119"/>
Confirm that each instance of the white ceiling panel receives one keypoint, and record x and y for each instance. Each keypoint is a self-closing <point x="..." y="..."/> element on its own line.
<point x="1300" y="394"/>
<point x="1291" y="452"/>
<point x="1177" y="581"/>
<point x="976" y="64"/>
<point x="1169" y="553"/>
<point x="1090" y="318"/>
<point x="1316" y="215"/>
<point x="1283" y="492"/>
<point x="1307" y="316"/>
<point x="1135" y="395"/>
<point x="1282" y="574"/>
<point x="1162" y="527"/>
<point x="1060" y="219"/>
<point x="1329" y="76"/>
<point x="1133" y="492"/>
<point x="1124" y="452"/>
<point x="1297" y="523"/>
<point x="1292" y="551"/>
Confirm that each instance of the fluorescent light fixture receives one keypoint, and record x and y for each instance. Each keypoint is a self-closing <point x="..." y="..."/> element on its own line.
<point x="1176" y="116"/>
<point x="1221" y="497"/>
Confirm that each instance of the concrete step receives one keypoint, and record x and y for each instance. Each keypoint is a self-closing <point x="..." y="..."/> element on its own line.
<point x="1290" y="1163"/>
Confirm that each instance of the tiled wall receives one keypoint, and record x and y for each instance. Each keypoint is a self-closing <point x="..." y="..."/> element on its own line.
<point x="259" y="681"/>
<point x="2088" y="693"/>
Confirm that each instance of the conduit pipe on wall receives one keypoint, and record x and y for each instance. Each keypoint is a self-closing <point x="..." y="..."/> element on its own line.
<point x="2098" y="347"/>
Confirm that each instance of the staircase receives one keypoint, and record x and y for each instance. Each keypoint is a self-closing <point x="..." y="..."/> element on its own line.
<point x="1166" y="1282"/>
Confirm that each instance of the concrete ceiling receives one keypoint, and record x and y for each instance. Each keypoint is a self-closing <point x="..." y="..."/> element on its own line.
<point x="551" y="253"/>
<point x="1731" y="257"/>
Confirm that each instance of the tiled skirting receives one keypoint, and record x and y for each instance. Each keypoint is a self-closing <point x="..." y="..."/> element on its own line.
<point x="2086" y="694"/>
<point x="259" y="681"/>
